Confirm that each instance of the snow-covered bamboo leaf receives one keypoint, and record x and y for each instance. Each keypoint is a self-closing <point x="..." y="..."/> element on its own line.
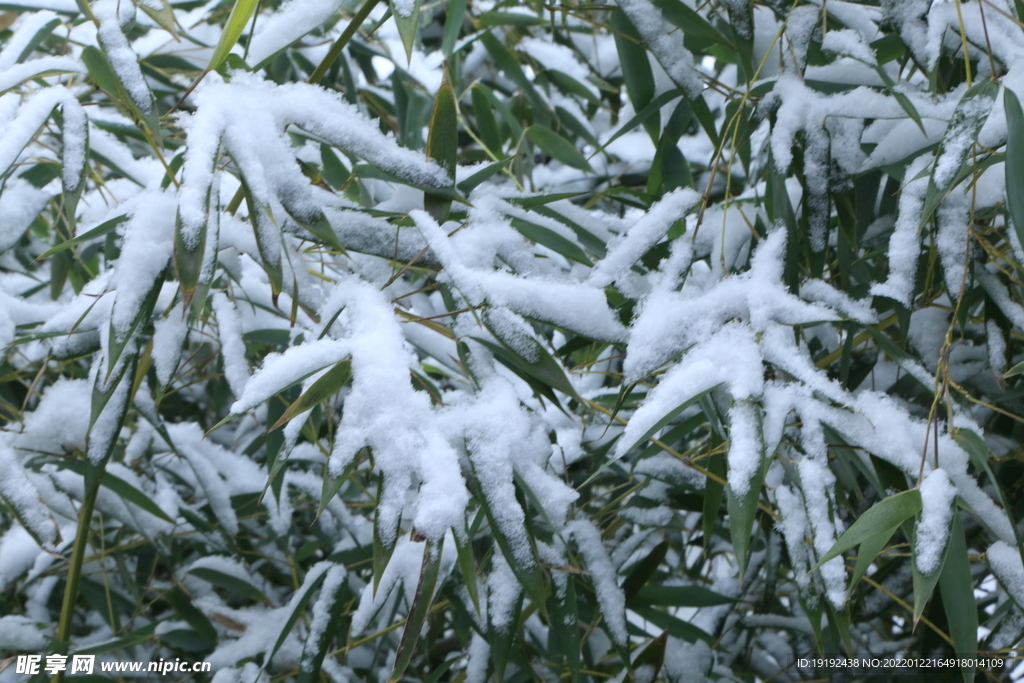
<point x="326" y="615"/>
<point x="23" y="499"/>
<point x="228" y="582"/>
<point x="968" y="118"/>
<point x="304" y="595"/>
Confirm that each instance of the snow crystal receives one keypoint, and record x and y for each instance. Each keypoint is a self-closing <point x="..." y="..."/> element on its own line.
<point x="937" y="494"/>
<point x="479" y="658"/>
<point x="687" y="662"/>
<point x="503" y="590"/>
<point x="61" y="419"/>
<point x="996" y="347"/>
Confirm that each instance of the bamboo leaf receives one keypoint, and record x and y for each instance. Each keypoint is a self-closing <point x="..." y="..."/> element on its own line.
<point x="229" y="583"/>
<point x="322" y="389"/>
<point x="1015" y="171"/>
<point x="557" y="147"/>
<point x="241" y="13"/>
<point x="443" y="146"/>
<point x="887" y="514"/>
<point x="957" y="586"/>
<point x="420" y="605"/>
<point x="408" y="23"/>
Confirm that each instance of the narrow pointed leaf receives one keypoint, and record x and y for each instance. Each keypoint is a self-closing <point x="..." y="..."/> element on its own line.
<point x="888" y="513"/>
<point x="240" y="15"/>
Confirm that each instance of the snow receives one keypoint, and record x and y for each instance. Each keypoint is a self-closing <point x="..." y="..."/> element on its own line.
<point x="1006" y="563"/>
<point x="18" y="633"/>
<point x="119" y="52"/>
<point x="20" y="203"/>
<point x="288" y="23"/>
<point x="937" y="494"/>
<point x="905" y="243"/>
<point x="850" y="43"/>
<point x="26" y="28"/>
<point x="609" y="595"/>
<point x="20" y="494"/>
<point x="29" y="119"/>
<point x="232" y="348"/>
<point x="666" y="44"/>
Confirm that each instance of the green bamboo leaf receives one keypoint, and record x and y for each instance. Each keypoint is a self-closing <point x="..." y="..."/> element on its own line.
<point x="162" y="15"/>
<point x="557" y="147"/>
<point x="408" y="22"/>
<point x="498" y="18"/>
<point x="1015" y="171"/>
<point x="542" y="374"/>
<point x="240" y="15"/>
<point x="453" y="20"/>
<point x="420" y="606"/>
<point x="680" y="596"/>
<point x="676" y="627"/>
<point x="467" y="565"/>
<point x="652" y="657"/>
<point x="486" y="126"/>
<point x="957" y="587"/>
<point x="887" y="514"/>
<point x="1015" y="370"/>
<point x="322" y="389"/>
<point x="643" y="570"/>
<point x="636" y="69"/>
<point x="713" y="492"/>
<point x="228" y="583"/>
<point x="692" y="25"/>
<point x="100" y="230"/>
<point x="382" y="549"/>
<point x="869" y="550"/>
<point x="552" y="240"/>
<point x="470" y="183"/>
<point x="443" y="146"/>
